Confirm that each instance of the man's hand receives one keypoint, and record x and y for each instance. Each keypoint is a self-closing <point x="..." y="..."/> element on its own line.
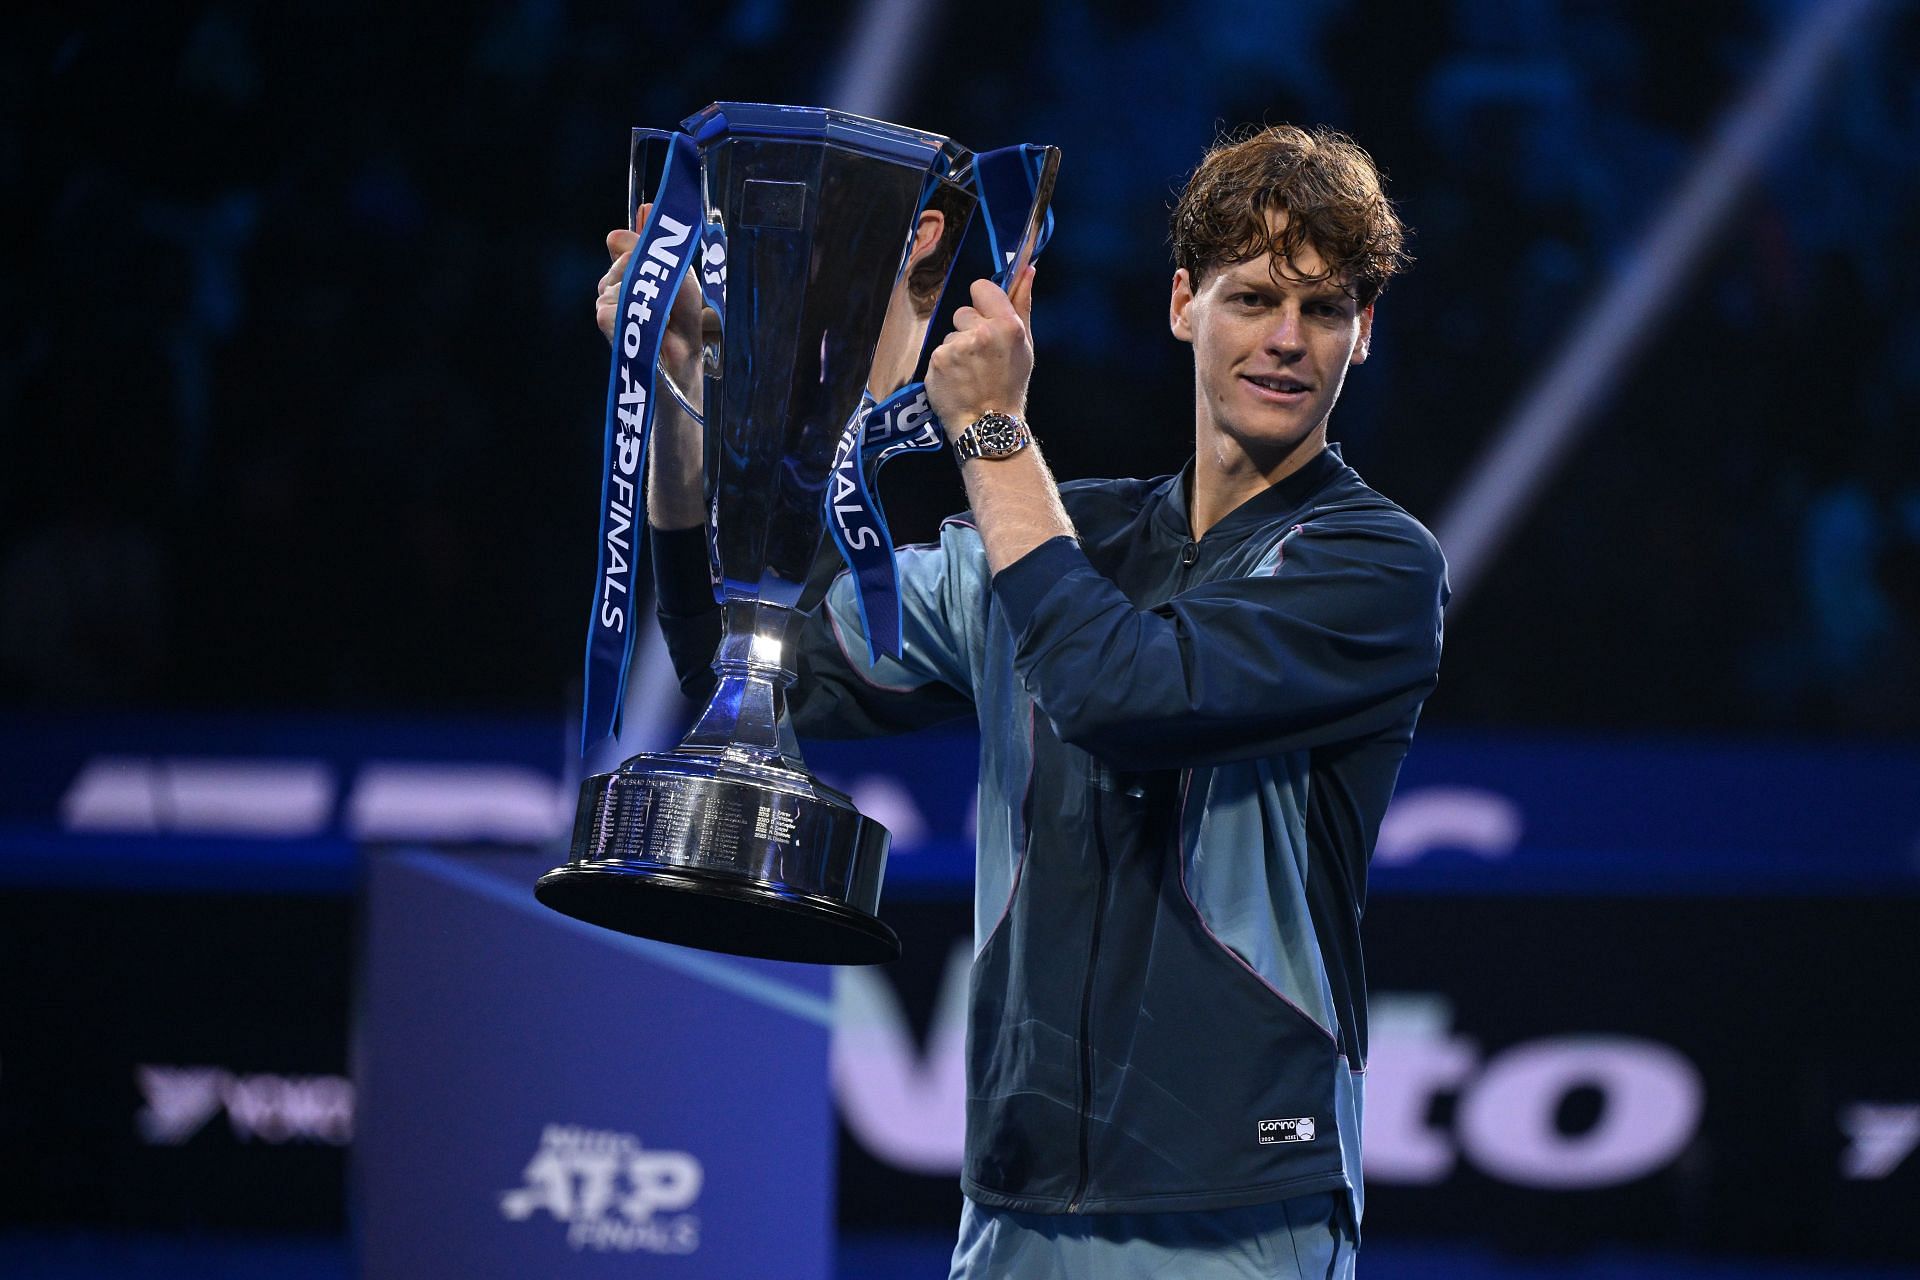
<point x="985" y="362"/>
<point x="983" y="365"/>
<point x="680" y="348"/>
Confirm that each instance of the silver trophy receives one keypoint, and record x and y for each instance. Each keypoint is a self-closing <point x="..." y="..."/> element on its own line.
<point x="838" y="233"/>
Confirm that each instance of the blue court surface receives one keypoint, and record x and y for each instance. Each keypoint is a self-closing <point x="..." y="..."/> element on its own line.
<point x="99" y="1256"/>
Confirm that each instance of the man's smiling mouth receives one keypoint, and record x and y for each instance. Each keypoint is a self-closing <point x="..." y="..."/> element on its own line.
<point x="1278" y="383"/>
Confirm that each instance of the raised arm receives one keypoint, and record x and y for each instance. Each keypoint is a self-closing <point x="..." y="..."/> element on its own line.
<point x="1336" y="636"/>
<point x="980" y="367"/>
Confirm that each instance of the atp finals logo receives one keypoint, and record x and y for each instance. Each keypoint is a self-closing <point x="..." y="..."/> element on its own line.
<point x="614" y="1195"/>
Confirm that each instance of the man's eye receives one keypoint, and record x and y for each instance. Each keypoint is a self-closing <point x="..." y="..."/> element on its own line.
<point x="1248" y="299"/>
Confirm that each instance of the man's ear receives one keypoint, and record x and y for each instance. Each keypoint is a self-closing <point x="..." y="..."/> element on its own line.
<point x="926" y="234"/>
<point x="1179" y="304"/>
<point x="1365" y="345"/>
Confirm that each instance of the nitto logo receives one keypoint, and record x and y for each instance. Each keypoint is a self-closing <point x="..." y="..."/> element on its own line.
<point x="1506" y="1114"/>
<point x="613" y="1194"/>
<point x="1300" y="1129"/>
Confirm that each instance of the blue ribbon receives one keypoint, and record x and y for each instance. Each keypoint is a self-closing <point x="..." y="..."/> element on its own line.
<point x="902" y="423"/>
<point x="1005" y="181"/>
<point x="667" y="245"/>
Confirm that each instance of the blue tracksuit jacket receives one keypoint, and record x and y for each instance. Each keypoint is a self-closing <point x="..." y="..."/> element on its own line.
<point x="1186" y="749"/>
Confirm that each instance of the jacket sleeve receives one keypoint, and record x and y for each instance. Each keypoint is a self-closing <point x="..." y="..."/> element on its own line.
<point x="1337" y="636"/>
<point x="840" y="692"/>
<point x="683" y="602"/>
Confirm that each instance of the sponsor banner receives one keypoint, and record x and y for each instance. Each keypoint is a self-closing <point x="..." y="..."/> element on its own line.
<point x="541" y="1097"/>
<point x="1558" y="1072"/>
<point x="1548" y="1074"/>
<point x="175" y="1060"/>
<point x="1473" y="813"/>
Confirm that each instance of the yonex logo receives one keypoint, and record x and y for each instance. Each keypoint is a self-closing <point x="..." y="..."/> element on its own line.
<point x="270" y="1108"/>
<point x="1299" y="1129"/>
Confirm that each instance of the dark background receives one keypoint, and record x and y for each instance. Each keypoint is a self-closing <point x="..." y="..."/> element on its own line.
<point x="301" y="391"/>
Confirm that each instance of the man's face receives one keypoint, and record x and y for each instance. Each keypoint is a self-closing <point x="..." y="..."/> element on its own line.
<point x="1269" y="357"/>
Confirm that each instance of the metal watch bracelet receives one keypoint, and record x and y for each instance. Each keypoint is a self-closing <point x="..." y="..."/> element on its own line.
<point x="993" y="435"/>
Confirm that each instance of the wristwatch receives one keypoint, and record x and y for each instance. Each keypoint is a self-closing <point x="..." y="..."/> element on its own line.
<point x="992" y="435"/>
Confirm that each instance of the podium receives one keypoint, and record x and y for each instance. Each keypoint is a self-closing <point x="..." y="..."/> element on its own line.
<point x="540" y="1097"/>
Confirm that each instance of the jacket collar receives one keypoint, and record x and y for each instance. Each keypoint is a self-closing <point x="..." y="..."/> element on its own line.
<point x="1274" y="501"/>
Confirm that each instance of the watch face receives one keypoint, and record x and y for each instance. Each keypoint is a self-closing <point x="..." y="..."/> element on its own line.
<point x="998" y="436"/>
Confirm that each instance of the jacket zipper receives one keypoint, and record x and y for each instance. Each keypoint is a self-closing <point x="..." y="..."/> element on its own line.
<point x="1086" y="1010"/>
<point x="1188" y="554"/>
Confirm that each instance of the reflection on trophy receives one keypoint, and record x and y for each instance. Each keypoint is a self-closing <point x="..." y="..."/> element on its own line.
<point x="839" y="232"/>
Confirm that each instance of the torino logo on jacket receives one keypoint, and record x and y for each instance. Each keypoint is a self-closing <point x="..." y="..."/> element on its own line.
<point x="1299" y="1129"/>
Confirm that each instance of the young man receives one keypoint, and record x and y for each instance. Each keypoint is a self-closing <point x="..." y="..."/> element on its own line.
<point x="1194" y="694"/>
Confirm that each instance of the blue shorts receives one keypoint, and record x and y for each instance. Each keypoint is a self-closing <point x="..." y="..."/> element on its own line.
<point x="1299" y="1239"/>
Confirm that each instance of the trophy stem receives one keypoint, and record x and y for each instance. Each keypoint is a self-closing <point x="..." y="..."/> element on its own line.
<point x="745" y="720"/>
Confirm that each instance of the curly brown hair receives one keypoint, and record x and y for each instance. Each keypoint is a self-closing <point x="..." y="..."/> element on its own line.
<point x="1327" y="185"/>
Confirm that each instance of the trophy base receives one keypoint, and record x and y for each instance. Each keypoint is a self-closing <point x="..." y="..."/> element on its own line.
<point x="726" y="856"/>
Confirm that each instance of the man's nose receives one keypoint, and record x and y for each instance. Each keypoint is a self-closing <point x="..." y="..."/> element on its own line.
<point x="1285" y="339"/>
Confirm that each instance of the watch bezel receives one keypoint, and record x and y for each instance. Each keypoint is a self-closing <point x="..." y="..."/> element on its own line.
<point x="994" y="435"/>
